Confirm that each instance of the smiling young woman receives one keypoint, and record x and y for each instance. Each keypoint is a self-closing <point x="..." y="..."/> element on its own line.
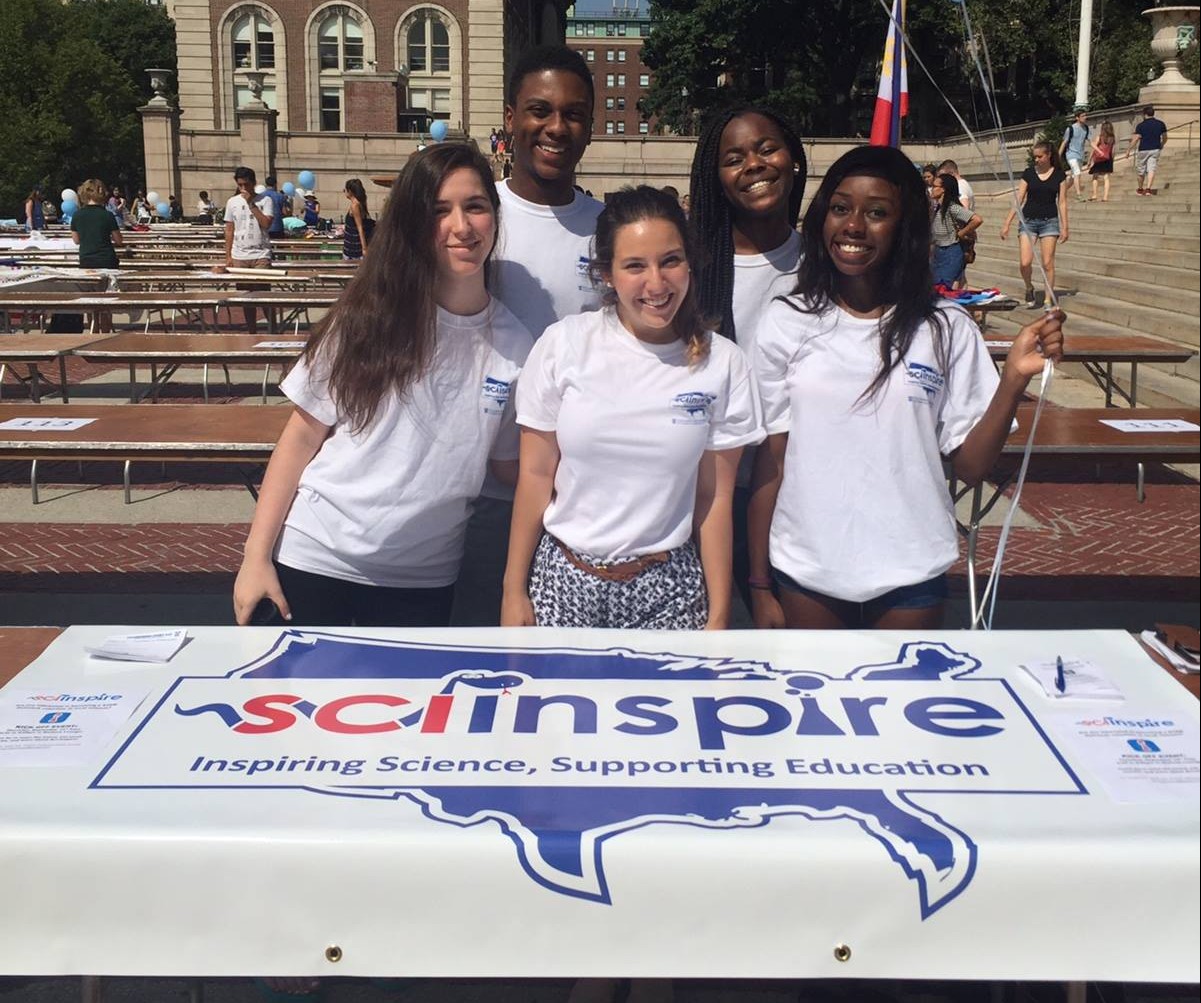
<point x="632" y="422"/>
<point x="401" y="400"/>
<point x="867" y="384"/>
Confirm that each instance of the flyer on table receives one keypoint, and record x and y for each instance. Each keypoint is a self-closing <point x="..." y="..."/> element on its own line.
<point x="61" y="727"/>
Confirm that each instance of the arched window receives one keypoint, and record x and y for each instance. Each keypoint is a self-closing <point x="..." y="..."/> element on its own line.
<point x="252" y="41"/>
<point x="341" y="41"/>
<point x="429" y="40"/>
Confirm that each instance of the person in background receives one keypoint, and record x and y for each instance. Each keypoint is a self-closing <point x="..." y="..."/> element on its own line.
<point x="1101" y="168"/>
<point x="278" y="208"/>
<point x="312" y="211"/>
<point x="950" y="226"/>
<point x="867" y="382"/>
<point x="358" y="223"/>
<point x="967" y="197"/>
<point x="247" y="220"/>
<point x="35" y="215"/>
<point x="206" y="209"/>
<point x="141" y="209"/>
<point x="176" y="210"/>
<point x="116" y="205"/>
<point x="1043" y="196"/>
<point x="1073" y="151"/>
<point x="685" y="204"/>
<point x="94" y="229"/>
<point x="1150" y="137"/>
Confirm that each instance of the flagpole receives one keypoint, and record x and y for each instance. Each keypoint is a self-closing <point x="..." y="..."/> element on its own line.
<point x="898" y="48"/>
<point x="1085" y="49"/>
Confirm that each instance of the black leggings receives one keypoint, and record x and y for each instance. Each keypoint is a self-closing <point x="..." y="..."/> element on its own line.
<point x="321" y="601"/>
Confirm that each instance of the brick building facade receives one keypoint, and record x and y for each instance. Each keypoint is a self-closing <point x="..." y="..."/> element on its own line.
<point x="611" y="44"/>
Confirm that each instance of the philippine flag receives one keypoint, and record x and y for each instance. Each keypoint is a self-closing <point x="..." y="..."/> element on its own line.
<point x="892" y="99"/>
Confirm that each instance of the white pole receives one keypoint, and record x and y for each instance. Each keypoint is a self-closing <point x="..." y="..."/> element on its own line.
<point x="1085" y="50"/>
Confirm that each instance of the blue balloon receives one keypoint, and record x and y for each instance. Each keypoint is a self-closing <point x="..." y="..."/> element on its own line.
<point x="307" y="179"/>
<point x="288" y="188"/>
<point x="70" y="208"/>
<point x="438" y="130"/>
<point x="163" y="209"/>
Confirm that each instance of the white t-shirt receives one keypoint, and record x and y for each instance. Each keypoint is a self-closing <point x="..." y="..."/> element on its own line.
<point x="540" y="265"/>
<point x="632" y="421"/>
<point x="967" y="197"/>
<point x="389" y="506"/>
<point x="540" y="268"/>
<point x="864" y="507"/>
<point x="758" y="279"/>
<point x="250" y="240"/>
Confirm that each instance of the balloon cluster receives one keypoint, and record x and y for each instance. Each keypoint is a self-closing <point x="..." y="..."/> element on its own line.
<point x="69" y="200"/>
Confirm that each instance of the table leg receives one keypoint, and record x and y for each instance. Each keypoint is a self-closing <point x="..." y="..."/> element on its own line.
<point x="89" y="987"/>
<point x="1076" y="992"/>
<point x="62" y="379"/>
<point x="125" y="481"/>
<point x="133" y="383"/>
<point x="1109" y="384"/>
<point x="33" y="481"/>
<point x="35" y="383"/>
<point x="4" y="369"/>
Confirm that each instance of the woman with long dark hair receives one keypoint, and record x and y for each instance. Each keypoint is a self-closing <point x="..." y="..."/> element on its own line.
<point x="867" y="383"/>
<point x="747" y="183"/>
<point x="358" y="223"/>
<point x="400" y="395"/>
<point x="950" y="224"/>
<point x="632" y="421"/>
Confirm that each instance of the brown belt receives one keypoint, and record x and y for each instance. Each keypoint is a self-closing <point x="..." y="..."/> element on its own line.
<point x="623" y="572"/>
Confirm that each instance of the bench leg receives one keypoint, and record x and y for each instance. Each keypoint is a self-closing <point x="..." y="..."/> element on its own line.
<point x="196" y="991"/>
<point x="1076" y="992"/>
<point x="4" y="369"/>
<point x="62" y="379"/>
<point x="266" y="377"/>
<point x="33" y="480"/>
<point x="90" y="989"/>
<point x="204" y="382"/>
<point x="125" y="481"/>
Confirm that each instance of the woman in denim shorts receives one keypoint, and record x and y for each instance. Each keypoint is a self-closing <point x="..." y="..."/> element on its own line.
<point x="1042" y="194"/>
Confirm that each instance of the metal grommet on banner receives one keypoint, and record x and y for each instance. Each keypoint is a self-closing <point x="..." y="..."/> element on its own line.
<point x="333" y="954"/>
<point x="842" y="952"/>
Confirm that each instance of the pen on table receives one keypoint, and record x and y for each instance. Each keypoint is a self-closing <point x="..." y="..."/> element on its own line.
<point x="1059" y="680"/>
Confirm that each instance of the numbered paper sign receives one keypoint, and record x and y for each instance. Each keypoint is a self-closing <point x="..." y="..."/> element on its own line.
<point x="44" y="424"/>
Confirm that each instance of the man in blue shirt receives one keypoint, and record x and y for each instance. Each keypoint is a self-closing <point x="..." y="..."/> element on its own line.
<point x="1150" y="136"/>
<point x="278" y="202"/>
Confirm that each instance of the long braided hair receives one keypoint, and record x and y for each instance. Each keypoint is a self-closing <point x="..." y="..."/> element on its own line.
<point x="712" y="218"/>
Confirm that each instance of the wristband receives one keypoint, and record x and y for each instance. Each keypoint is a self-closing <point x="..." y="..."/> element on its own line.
<point x="762" y="584"/>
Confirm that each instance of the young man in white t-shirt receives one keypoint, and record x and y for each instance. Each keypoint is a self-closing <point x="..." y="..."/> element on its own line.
<point x="540" y="267"/>
<point x="247" y="219"/>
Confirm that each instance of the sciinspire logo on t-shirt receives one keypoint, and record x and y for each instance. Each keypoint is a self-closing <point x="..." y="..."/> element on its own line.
<point x="583" y="269"/>
<point x="494" y="395"/>
<point x="923" y="384"/>
<point x="692" y="408"/>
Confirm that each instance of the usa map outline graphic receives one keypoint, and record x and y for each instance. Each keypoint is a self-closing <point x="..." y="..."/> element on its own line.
<point x="568" y="857"/>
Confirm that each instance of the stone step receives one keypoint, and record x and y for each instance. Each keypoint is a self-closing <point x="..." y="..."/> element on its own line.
<point x="1152" y="320"/>
<point x="1141" y="274"/>
<point x="1088" y="253"/>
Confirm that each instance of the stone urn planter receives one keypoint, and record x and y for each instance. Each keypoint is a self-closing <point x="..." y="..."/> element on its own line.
<point x="1173" y="29"/>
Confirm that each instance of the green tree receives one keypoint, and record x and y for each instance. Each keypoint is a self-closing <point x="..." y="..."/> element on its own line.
<point x="70" y="86"/>
<point x="819" y="63"/>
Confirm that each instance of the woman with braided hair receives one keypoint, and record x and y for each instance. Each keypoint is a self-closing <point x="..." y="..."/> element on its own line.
<point x="748" y="179"/>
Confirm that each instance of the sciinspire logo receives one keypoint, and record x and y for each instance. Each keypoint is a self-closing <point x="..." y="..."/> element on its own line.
<point x="568" y="748"/>
<point x="923" y="379"/>
<point x="494" y="395"/>
<point x="692" y="408"/>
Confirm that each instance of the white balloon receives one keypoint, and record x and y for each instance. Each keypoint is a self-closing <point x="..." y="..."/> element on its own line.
<point x="259" y="189"/>
<point x="152" y="198"/>
<point x="68" y="195"/>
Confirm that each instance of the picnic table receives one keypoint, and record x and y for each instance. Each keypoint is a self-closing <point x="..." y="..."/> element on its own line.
<point x="35" y="350"/>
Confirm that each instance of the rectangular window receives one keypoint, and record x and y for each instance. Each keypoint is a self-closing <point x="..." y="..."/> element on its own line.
<point x="241" y="54"/>
<point x="609" y="129"/>
<point x="609" y="104"/>
<point x="621" y="104"/>
<point x="590" y="55"/>
<point x="265" y="45"/>
<point x="621" y="29"/>
<point x="608" y="79"/>
<point x="331" y="109"/>
<point x="621" y="55"/>
<point x="621" y="80"/>
<point x="440" y="101"/>
<point x="439" y="47"/>
<point x="327" y="53"/>
<point x="579" y="29"/>
<point x="417" y="61"/>
<point x="608" y="55"/>
<point x="621" y="127"/>
<point x="591" y="30"/>
<point x="611" y="30"/>
<point x="644" y="79"/>
<point x="644" y="128"/>
<point x="353" y="51"/>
